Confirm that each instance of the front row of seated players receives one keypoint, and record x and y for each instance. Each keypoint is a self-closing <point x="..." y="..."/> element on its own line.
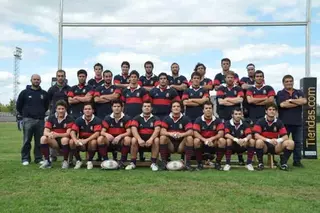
<point x="174" y="134"/>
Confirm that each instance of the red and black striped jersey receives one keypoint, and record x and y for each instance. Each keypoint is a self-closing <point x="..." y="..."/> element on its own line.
<point x="59" y="127"/>
<point x="247" y="80"/>
<point x="203" y="82"/>
<point x="146" y="125"/>
<point x="114" y="126"/>
<point x="178" y="81"/>
<point x="270" y="129"/>
<point x="86" y="128"/>
<point x="258" y="111"/>
<point x="144" y="81"/>
<point x="133" y="99"/>
<point x="104" y="109"/>
<point x="95" y="83"/>
<point x="179" y="124"/>
<point x="161" y="100"/>
<point x="208" y="128"/>
<point x="220" y="78"/>
<point x="238" y="130"/>
<point x="76" y="110"/>
<point x="121" y="79"/>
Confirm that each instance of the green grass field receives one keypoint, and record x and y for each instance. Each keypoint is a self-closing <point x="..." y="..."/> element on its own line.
<point x="29" y="189"/>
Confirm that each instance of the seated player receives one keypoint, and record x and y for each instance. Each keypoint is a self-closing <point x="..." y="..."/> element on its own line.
<point x="208" y="132"/>
<point x="145" y="130"/>
<point x="239" y="139"/>
<point x="84" y="135"/>
<point x="194" y="97"/>
<point x="116" y="133"/>
<point x="271" y="137"/>
<point x="57" y="134"/>
<point x="176" y="135"/>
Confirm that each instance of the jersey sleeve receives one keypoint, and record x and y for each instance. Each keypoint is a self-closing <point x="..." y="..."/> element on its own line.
<point x="97" y="92"/>
<point x="71" y="92"/>
<point x="227" y="128"/>
<point x="282" y="129"/>
<point x="220" y="92"/>
<point x="123" y="95"/>
<point x="174" y="94"/>
<point x="70" y="122"/>
<point x="216" y="80"/>
<point x="240" y="92"/>
<point x="49" y="123"/>
<point x="145" y="95"/>
<point x="117" y="79"/>
<point x="127" y="122"/>
<point x="249" y="91"/>
<point x="242" y="81"/>
<point x="90" y="90"/>
<point x="188" y="123"/>
<point x="247" y="129"/>
<point x="197" y="125"/>
<point x="257" y="128"/>
<point x="105" y="123"/>
<point x="220" y="126"/>
<point x="134" y="122"/>
<point x="270" y="91"/>
<point x="97" y="125"/>
<point x="301" y="94"/>
<point x="280" y="97"/>
<point x="165" y="122"/>
<point x="76" y="125"/>
<point x="184" y="80"/>
<point x="185" y="95"/>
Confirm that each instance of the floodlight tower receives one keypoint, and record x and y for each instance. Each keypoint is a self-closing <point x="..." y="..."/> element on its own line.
<point x="16" y="72"/>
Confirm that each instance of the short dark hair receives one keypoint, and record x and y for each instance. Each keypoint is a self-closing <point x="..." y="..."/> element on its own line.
<point x="163" y="74"/>
<point x="208" y="103"/>
<point x="148" y="62"/>
<point x="147" y="102"/>
<point x="134" y="72"/>
<point x="176" y="101"/>
<point x="98" y="65"/>
<point x="230" y="73"/>
<point x="117" y="101"/>
<point x="107" y="71"/>
<point x="237" y="109"/>
<point x="125" y="63"/>
<point x="88" y="104"/>
<point x="258" y="72"/>
<point x="249" y="65"/>
<point x="199" y="65"/>
<point x="226" y="59"/>
<point x="195" y="74"/>
<point x="286" y="77"/>
<point x="271" y="104"/>
<point x="82" y="71"/>
<point x="61" y="71"/>
<point x="62" y="103"/>
<point x="174" y="63"/>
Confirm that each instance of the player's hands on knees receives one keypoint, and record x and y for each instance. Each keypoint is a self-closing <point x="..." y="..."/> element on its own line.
<point x="274" y="141"/>
<point x="116" y="140"/>
<point x="148" y="143"/>
<point x="141" y="142"/>
<point x="79" y="142"/>
<point x="241" y="142"/>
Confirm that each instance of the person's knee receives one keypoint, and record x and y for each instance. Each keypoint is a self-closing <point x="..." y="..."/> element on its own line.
<point x="251" y="143"/>
<point x="101" y="140"/>
<point x="259" y="144"/>
<point x="44" y="140"/>
<point x="65" y="141"/>
<point x="189" y="141"/>
<point x="163" y="139"/>
<point x="197" y="143"/>
<point x="127" y="141"/>
<point x="222" y="142"/>
<point x="229" y="142"/>
<point x="289" y="144"/>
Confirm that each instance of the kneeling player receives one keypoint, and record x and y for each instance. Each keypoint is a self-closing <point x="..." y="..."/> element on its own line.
<point x="271" y="137"/>
<point x="115" y="133"/>
<point x="84" y="134"/>
<point x="145" y="130"/>
<point x="239" y="139"/>
<point x="208" y="132"/>
<point x="57" y="134"/>
<point x="176" y="135"/>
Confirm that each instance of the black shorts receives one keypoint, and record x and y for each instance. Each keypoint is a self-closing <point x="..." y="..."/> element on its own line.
<point x="209" y="149"/>
<point x="236" y="148"/>
<point x="145" y="149"/>
<point x="59" y="142"/>
<point x="114" y="147"/>
<point x="271" y="149"/>
<point x="176" y="143"/>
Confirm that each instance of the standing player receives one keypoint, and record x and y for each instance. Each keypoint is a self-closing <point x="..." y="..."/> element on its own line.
<point x="176" y="135"/>
<point x="271" y="137"/>
<point x="208" y="132"/>
<point x="84" y="134"/>
<point x="239" y="139"/>
<point x="57" y="134"/>
<point x="194" y="97"/>
<point x="133" y="96"/>
<point x="220" y="77"/>
<point x="291" y="101"/>
<point x="176" y="81"/>
<point x="79" y="94"/>
<point x="98" y="78"/>
<point x="149" y="80"/>
<point x="246" y="83"/>
<point x="259" y="96"/>
<point x="229" y="97"/>
<point x="104" y="95"/>
<point x="116" y="133"/>
<point x="205" y="83"/>
<point x="122" y="81"/>
<point x="162" y="96"/>
<point x="145" y="130"/>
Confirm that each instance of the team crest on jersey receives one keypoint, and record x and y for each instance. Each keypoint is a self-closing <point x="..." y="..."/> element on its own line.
<point x="167" y="95"/>
<point x="84" y="90"/>
<point x="91" y="128"/>
<point x="127" y="80"/>
<point x="121" y="124"/>
<point x="178" y="82"/>
<point x="204" y="83"/>
<point x="65" y="126"/>
<point x="111" y="90"/>
<point x="235" y="92"/>
<point x="241" y="132"/>
<point x="264" y="92"/>
<point x="214" y="127"/>
<point x="296" y="97"/>
<point x="180" y="126"/>
<point x="275" y="129"/>
<point x="151" y="124"/>
<point x="54" y="126"/>
<point x="41" y="96"/>
<point x="76" y="91"/>
<point x="138" y="94"/>
<point x="201" y="94"/>
<point x="151" y="82"/>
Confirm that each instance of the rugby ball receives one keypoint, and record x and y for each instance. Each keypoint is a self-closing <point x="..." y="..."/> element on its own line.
<point x="109" y="164"/>
<point x="175" y="165"/>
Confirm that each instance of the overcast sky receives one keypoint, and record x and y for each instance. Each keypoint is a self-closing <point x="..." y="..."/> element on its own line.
<point x="33" y="26"/>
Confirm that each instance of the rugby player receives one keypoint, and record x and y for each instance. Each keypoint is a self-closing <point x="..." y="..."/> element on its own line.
<point x="56" y="134"/>
<point x="79" y="94"/>
<point x="208" y="132"/>
<point x="116" y="133"/>
<point x="205" y="83"/>
<point x="220" y="77"/>
<point x="84" y="134"/>
<point x="145" y="130"/>
<point x="177" y="81"/>
<point x="271" y="137"/>
<point x="98" y="78"/>
<point x="176" y="135"/>
<point x="122" y="81"/>
<point x="246" y="83"/>
<point x="149" y="80"/>
<point x="239" y="139"/>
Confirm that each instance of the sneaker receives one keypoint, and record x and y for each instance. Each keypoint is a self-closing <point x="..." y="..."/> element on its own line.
<point x="163" y="166"/>
<point x="78" y="164"/>
<point x="250" y="167"/>
<point x="65" y="164"/>
<point x="121" y="165"/>
<point x="199" y="167"/>
<point x="189" y="168"/>
<point x="45" y="165"/>
<point x="226" y="167"/>
<point x="154" y="167"/>
<point x="131" y="166"/>
<point x="25" y="163"/>
<point x="284" y="167"/>
<point x="298" y="164"/>
<point x="260" y="167"/>
<point x="218" y="167"/>
<point x="53" y="158"/>
<point x="89" y="165"/>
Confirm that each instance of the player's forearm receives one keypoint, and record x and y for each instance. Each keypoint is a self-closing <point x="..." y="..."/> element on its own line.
<point x="164" y="132"/>
<point x="201" y="100"/>
<point x="300" y="101"/>
<point x="62" y="135"/>
<point x="100" y="100"/>
<point x="286" y="104"/>
<point x="121" y="85"/>
<point x="155" y="133"/>
<point x="86" y="98"/>
<point x="252" y="100"/>
<point x="236" y="100"/>
<point x="190" y="103"/>
<point x="259" y="137"/>
<point x="248" y="137"/>
<point x="135" y="134"/>
<point x="73" y="136"/>
<point x="187" y="133"/>
<point x="181" y="87"/>
<point x="92" y="137"/>
<point x="229" y="136"/>
<point x="72" y="100"/>
<point x="208" y="87"/>
<point x="218" y="136"/>
<point x="46" y="132"/>
<point x="199" y="136"/>
<point x="127" y="133"/>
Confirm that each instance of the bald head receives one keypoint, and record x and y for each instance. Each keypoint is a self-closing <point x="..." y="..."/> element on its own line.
<point x="35" y="80"/>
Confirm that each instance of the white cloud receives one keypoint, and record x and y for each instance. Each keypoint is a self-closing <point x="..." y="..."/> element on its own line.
<point x="9" y="34"/>
<point x="5" y="52"/>
<point x="28" y="53"/>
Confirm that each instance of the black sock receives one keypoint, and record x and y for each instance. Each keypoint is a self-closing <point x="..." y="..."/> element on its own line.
<point x="259" y="153"/>
<point x="286" y="155"/>
<point x="240" y="157"/>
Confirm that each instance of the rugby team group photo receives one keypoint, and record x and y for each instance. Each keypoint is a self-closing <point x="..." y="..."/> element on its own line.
<point x="117" y="119"/>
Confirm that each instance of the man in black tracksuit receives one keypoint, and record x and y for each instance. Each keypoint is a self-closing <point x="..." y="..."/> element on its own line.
<point x="32" y="105"/>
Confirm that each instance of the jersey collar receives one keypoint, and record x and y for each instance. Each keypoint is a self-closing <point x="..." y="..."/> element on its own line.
<point x="84" y="118"/>
<point x="213" y="119"/>
<point x="162" y="88"/>
<point x="138" y="87"/>
<point x="171" y="116"/>
<point x="275" y="120"/>
<point x="65" y="115"/>
<point x="191" y="87"/>
<point x="232" y="123"/>
<point x="142" y="116"/>
<point x="121" y="116"/>
<point x="263" y="85"/>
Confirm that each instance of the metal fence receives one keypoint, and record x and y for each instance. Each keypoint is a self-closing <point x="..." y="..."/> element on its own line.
<point x="7" y="117"/>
